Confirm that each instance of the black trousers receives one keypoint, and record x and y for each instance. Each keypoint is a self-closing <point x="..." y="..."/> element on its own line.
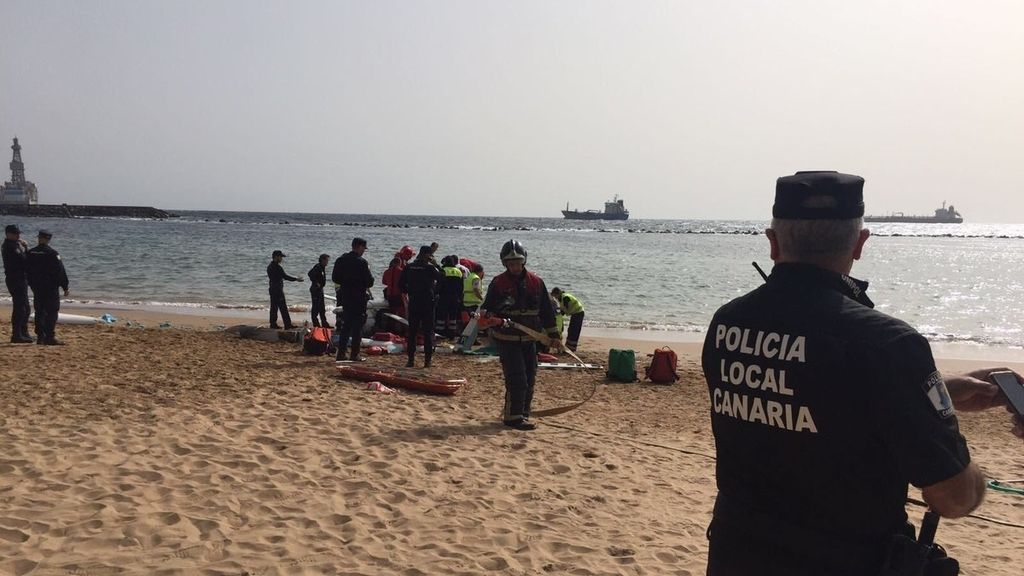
<point x="318" y="310"/>
<point x="447" y="318"/>
<point x="519" y="366"/>
<point x="278" y="304"/>
<point x="47" y="305"/>
<point x="353" y="317"/>
<point x="20" y="308"/>
<point x="421" y="321"/>
<point x="572" y="338"/>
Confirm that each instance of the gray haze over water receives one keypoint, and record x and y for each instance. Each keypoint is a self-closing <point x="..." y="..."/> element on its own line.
<point x="685" y="109"/>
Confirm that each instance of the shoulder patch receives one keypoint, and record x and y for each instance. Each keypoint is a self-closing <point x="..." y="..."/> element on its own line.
<point x="935" y="387"/>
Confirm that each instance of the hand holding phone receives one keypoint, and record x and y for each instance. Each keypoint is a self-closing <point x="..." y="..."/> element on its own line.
<point x="1012" y="389"/>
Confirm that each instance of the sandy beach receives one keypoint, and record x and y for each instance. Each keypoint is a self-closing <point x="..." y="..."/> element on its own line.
<point x="186" y="450"/>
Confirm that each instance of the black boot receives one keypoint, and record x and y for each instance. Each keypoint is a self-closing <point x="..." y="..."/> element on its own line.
<point x="409" y="362"/>
<point x="426" y="362"/>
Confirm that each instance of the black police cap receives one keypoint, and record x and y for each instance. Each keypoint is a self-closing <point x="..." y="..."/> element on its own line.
<point x="277" y="253"/>
<point x="12" y="229"/>
<point x="45" y="234"/>
<point x="819" y="195"/>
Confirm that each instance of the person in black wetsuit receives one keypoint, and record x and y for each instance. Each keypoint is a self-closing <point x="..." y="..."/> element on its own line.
<point x="419" y="282"/>
<point x="352" y="275"/>
<point x="824" y="410"/>
<point x="317" y="280"/>
<point x="277" y="277"/>
<point x="46" y="277"/>
<point x="15" y="256"/>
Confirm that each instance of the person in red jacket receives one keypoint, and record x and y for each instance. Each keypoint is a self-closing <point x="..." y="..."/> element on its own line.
<point x="521" y="296"/>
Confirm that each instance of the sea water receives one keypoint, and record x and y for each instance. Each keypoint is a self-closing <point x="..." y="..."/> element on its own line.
<point x="954" y="283"/>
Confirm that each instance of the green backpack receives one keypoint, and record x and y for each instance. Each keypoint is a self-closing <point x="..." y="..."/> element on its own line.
<point x="622" y="365"/>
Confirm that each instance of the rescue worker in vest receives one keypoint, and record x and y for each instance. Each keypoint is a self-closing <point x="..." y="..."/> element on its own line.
<point x="449" y="297"/>
<point x="823" y="409"/>
<point x="392" y="292"/>
<point x="472" y="290"/>
<point x="352" y="275"/>
<point x="317" y="280"/>
<point x="419" y="284"/>
<point x="520" y="296"/>
<point x="571" y="306"/>
<point x="277" y="277"/>
<point x="46" y="277"/>
<point x="16" y="276"/>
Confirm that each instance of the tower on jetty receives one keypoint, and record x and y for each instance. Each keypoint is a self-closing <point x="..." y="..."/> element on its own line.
<point x="18" y="191"/>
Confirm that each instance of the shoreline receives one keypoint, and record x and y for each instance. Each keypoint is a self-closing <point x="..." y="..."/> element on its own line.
<point x="961" y="354"/>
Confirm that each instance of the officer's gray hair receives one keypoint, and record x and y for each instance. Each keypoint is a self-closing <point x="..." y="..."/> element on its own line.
<point x="816" y="240"/>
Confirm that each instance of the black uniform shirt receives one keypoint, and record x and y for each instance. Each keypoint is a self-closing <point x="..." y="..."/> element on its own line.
<point x="45" y="269"/>
<point x="15" y="259"/>
<point x="352" y="272"/>
<point x="278" y="276"/>
<point x="317" y="278"/>
<point x="419" y="280"/>
<point x="823" y="409"/>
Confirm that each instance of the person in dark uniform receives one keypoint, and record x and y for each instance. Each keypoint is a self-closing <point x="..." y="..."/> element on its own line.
<point x="16" y="275"/>
<point x="46" y="277"/>
<point x="824" y="409"/>
<point x="277" y="277"/>
<point x="352" y="275"/>
<point x="419" y="283"/>
<point x="519" y="295"/>
<point x="317" y="280"/>
<point x="571" y="306"/>
<point x="449" y="297"/>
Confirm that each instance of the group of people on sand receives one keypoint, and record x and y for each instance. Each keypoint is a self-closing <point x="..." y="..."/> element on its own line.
<point x="443" y="296"/>
<point x="40" y="269"/>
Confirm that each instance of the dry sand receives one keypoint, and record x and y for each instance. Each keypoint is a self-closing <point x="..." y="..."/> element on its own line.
<point x="184" y="451"/>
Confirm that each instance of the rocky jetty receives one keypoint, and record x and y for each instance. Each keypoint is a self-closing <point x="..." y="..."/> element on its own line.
<point x="83" y="211"/>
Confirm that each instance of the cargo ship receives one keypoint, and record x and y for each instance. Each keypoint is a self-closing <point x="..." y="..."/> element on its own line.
<point x="942" y="215"/>
<point x="613" y="210"/>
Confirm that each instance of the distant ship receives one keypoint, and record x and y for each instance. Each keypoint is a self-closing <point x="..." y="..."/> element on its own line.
<point x="614" y="210"/>
<point x="943" y="215"/>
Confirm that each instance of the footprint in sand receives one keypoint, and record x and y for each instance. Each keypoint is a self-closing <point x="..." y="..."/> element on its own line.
<point x="16" y="536"/>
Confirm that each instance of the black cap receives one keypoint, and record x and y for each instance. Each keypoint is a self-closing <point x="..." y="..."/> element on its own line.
<point x="45" y="234"/>
<point x="819" y="195"/>
<point x="277" y="253"/>
<point x="12" y="229"/>
<point x="425" y="250"/>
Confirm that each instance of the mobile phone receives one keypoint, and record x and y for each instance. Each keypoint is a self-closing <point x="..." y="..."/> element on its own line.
<point x="1014" y="390"/>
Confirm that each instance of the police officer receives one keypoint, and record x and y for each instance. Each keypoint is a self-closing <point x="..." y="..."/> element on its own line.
<point x="277" y="277"/>
<point x="16" y="276"/>
<point x="571" y="306"/>
<point x="519" y="295"/>
<point x="317" y="280"/>
<point x="352" y="275"/>
<point x="419" y="283"/>
<point x="46" y="277"/>
<point x="823" y="409"/>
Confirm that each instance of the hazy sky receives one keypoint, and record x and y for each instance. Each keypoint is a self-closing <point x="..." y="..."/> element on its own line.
<point x="686" y="109"/>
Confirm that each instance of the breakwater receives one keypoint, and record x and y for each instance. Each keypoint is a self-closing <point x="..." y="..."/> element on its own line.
<point x="82" y="211"/>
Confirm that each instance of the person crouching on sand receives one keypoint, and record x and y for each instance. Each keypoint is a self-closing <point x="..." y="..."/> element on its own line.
<point x="522" y="297"/>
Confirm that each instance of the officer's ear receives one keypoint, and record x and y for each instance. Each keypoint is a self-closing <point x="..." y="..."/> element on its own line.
<point x="861" y="239"/>
<point x="773" y="241"/>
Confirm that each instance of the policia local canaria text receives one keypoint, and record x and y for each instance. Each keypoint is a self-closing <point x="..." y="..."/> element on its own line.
<point x="734" y="401"/>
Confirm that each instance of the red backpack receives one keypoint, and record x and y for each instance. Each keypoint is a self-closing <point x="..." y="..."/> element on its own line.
<point x="663" y="366"/>
<point x="317" y="341"/>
